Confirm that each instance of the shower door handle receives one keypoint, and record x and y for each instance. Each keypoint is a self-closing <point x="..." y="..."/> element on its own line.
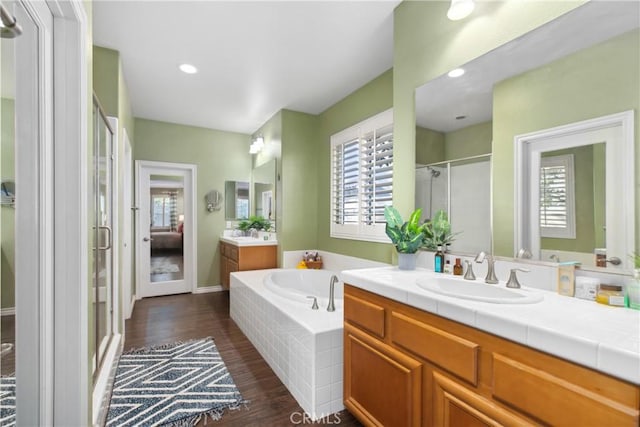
<point x="109" y="240"/>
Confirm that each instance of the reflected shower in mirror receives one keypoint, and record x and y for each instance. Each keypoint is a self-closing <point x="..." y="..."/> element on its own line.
<point x="459" y="187"/>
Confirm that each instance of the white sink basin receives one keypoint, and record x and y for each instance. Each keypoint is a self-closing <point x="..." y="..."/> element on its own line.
<point x="477" y="291"/>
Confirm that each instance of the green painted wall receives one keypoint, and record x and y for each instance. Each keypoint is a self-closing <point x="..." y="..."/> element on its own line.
<point x="219" y="156"/>
<point x="105" y="78"/>
<point x="600" y="194"/>
<point x="371" y="99"/>
<point x="429" y="146"/>
<point x="427" y="45"/>
<point x="299" y="214"/>
<point x="598" y="81"/>
<point x="470" y="141"/>
<point x="7" y="214"/>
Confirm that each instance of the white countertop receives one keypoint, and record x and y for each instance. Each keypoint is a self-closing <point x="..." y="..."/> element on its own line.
<point x="249" y="241"/>
<point x="594" y="335"/>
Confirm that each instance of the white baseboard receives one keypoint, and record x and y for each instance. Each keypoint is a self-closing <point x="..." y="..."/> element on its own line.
<point x="9" y="311"/>
<point x="131" y="305"/>
<point x="104" y="381"/>
<point x="207" y="289"/>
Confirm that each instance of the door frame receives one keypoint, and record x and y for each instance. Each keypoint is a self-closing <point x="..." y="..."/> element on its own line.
<point x="54" y="309"/>
<point x="190" y="250"/>
<point x="617" y="131"/>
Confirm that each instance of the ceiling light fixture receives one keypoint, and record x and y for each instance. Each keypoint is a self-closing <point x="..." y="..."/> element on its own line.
<point x="257" y="145"/>
<point x="460" y="9"/>
<point x="188" y="68"/>
<point x="456" y="73"/>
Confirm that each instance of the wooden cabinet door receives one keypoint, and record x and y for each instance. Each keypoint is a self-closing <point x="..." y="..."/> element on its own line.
<point x="455" y="405"/>
<point x="382" y="387"/>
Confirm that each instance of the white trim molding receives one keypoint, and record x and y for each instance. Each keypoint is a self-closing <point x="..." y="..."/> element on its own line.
<point x="208" y="289"/>
<point x="617" y="132"/>
<point x="71" y="388"/>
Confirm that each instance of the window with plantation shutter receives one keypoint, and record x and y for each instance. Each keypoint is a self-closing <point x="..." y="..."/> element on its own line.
<point x="362" y="178"/>
<point x="557" y="203"/>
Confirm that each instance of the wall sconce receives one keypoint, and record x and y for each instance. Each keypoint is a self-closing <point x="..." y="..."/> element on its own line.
<point x="257" y="145"/>
<point x="460" y="9"/>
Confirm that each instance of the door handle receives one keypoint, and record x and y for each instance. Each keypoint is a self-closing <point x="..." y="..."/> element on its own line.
<point x="147" y="239"/>
<point x="109" y="240"/>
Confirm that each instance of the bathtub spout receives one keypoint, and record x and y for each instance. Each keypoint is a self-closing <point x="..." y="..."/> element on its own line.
<point x="332" y="305"/>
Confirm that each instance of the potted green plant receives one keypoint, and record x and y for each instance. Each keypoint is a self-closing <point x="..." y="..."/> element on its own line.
<point x="407" y="237"/>
<point x="257" y="223"/>
<point x="437" y="231"/>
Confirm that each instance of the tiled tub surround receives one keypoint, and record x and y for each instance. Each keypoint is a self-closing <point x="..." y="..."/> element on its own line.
<point x="597" y="336"/>
<point x="302" y="346"/>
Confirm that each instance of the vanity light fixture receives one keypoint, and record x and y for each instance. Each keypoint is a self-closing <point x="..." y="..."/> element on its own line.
<point x="456" y="73"/>
<point x="460" y="9"/>
<point x="188" y="68"/>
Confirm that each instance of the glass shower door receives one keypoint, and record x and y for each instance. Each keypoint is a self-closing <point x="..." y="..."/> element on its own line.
<point x="102" y="291"/>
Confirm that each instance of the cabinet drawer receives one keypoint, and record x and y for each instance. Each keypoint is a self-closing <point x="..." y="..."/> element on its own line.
<point x="364" y="314"/>
<point x="555" y="400"/>
<point x="455" y="354"/>
<point x="232" y="252"/>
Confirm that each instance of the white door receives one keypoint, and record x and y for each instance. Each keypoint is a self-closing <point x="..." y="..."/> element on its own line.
<point x="165" y="223"/>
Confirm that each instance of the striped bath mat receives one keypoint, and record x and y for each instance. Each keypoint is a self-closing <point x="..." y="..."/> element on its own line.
<point x="172" y="385"/>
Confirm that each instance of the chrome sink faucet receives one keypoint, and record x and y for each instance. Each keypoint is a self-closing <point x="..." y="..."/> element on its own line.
<point x="332" y="305"/>
<point x="491" y="274"/>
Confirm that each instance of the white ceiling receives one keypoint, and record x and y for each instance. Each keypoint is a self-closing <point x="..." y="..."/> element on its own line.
<point x="441" y="100"/>
<point x="254" y="58"/>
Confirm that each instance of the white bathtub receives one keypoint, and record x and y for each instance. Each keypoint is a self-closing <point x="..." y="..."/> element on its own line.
<point x="299" y="285"/>
<point x="302" y="346"/>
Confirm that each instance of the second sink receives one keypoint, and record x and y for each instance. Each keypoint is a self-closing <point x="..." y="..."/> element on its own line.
<point x="477" y="291"/>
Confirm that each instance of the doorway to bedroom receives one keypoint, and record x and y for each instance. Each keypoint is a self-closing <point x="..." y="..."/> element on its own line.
<point x="164" y="226"/>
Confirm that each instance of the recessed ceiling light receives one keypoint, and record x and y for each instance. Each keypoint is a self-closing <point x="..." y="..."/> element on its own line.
<point x="456" y="73"/>
<point x="460" y="9"/>
<point x="188" y="68"/>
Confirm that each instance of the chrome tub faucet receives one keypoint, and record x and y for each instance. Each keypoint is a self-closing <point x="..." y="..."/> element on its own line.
<point x="332" y="283"/>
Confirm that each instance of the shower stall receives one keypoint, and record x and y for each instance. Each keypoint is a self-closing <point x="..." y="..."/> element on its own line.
<point x="462" y="188"/>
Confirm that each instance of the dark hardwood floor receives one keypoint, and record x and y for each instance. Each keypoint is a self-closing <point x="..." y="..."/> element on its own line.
<point x="173" y="318"/>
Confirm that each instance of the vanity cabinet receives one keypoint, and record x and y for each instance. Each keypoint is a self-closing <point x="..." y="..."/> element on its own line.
<point x="407" y="367"/>
<point x="243" y="258"/>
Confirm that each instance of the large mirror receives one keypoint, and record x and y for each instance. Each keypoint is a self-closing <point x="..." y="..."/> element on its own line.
<point x="264" y="190"/>
<point x="236" y="200"/>
<point x="535" y="84"/>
